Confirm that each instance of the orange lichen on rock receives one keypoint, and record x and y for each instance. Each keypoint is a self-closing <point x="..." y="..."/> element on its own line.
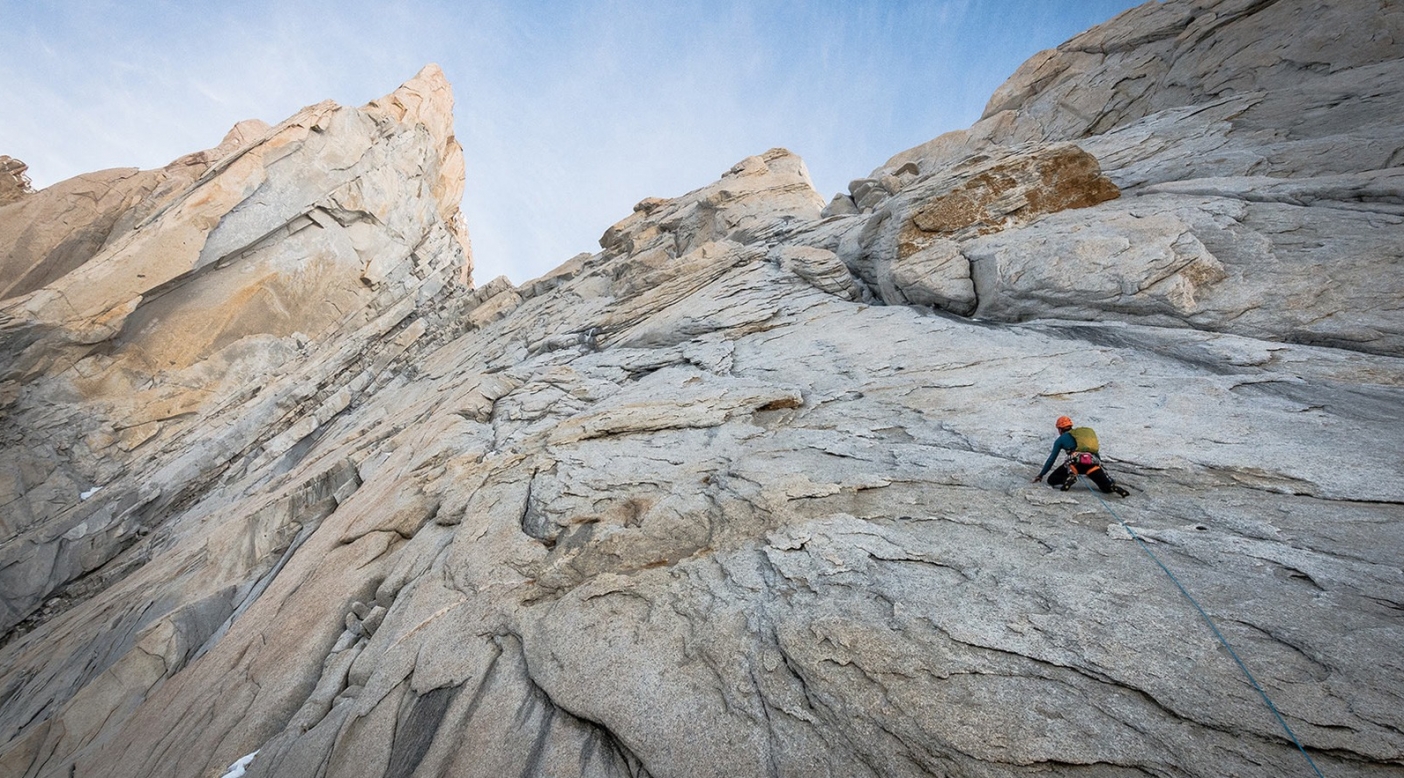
<point x="1011" y="191"/>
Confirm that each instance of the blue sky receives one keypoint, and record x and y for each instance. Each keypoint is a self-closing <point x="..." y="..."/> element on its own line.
<point x="569" y="113"/>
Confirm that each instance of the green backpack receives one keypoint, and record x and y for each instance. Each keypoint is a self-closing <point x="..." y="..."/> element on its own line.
<point x="1086" y="439"/>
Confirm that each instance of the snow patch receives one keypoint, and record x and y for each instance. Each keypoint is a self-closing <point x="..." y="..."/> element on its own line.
<point x="237" y="769"/>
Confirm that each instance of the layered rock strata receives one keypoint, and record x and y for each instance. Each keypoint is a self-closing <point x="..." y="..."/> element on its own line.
<point x="179" y="304"/>
<point x="747" y="491"/>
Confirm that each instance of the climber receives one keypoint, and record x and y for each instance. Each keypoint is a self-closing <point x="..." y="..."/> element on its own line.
<point x="1083" y="459"/>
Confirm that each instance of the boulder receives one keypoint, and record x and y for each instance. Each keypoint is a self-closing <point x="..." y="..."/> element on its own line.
<point x="911" y="247"/>
<point x="821" y="268"/>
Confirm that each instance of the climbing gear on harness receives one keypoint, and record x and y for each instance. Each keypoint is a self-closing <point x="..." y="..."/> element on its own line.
<point x="1086" y="440"/>
<point x="1214" y="629"/>
<point x="1063" y="423"/>
<point x="1083" y="463"/>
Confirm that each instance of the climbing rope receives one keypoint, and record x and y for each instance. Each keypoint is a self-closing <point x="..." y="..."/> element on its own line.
<point x="1208" y="621"/>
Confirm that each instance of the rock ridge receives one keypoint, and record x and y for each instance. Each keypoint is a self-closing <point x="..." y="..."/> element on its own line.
<point x="204" y="278"/>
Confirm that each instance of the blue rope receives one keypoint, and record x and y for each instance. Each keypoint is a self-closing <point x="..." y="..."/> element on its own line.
<point x="1208" y="621"/>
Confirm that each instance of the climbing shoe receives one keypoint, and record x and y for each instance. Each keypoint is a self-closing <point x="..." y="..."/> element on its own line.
<point x="1120" y="491"/>
<point x="1066" y="486"/>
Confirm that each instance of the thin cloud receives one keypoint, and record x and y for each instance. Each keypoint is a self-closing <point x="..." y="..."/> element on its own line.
<point x="569" y="113"/>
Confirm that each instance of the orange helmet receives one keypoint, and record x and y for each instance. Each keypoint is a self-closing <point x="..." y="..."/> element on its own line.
<point x="1064" y="423"/>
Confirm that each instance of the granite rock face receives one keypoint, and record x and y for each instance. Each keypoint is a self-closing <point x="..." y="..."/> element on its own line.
<point x="1257" y="137"/>
<point x="45" y="235"/>
<point x="180" y="295"/>
<point x="747" y="491"/>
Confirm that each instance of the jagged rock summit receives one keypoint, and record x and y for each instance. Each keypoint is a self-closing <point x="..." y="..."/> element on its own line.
<point x="747" y="491"/>
<point x="171" y="310"/>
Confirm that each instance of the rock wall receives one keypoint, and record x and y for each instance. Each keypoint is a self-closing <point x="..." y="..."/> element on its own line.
<point x="178" y="302"/>
<point x="1248" y="138"/>
<point x="747" y="491"/>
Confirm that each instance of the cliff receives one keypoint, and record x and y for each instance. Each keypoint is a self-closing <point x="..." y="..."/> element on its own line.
<point x="746" y="492"/>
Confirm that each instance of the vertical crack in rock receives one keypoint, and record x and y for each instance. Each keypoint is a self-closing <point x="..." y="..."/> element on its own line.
<point x="600" y="747"/>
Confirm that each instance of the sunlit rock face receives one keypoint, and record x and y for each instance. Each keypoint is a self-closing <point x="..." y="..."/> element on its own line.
<point x="144" y="310"/>
<point x="747" y="491"/>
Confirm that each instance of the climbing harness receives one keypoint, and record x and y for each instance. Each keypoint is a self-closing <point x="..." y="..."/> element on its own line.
<point x="1083" y="463"/>
<point x="1210" y="622"/>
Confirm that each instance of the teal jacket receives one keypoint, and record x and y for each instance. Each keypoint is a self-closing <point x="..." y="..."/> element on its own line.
<point x="1065" y="442"/>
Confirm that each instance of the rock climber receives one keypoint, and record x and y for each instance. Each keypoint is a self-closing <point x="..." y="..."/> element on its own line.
<point x="1083" y="459"/>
